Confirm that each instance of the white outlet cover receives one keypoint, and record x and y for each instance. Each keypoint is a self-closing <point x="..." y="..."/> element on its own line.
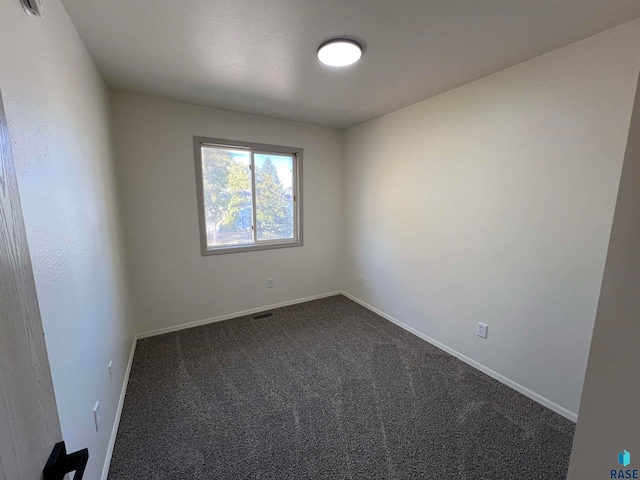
<point x="269" y="282"/>
<point x="482" y="330"/>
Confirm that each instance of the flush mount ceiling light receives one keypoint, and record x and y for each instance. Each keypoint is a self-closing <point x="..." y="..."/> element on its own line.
<point x="339" y="52"/>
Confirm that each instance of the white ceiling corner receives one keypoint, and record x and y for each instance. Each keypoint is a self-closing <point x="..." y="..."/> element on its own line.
<point x="258" y="56"/>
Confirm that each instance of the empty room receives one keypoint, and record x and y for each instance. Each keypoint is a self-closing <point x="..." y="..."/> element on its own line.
<point x="305" y="239"/>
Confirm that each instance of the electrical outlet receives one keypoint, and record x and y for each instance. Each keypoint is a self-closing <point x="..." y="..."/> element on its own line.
<point x="361" y="278"/>
<point x="482" y="330"/>
<point x="111" y="371"/>
<point x="270" y="282"/>
<point x="96" y="415"/>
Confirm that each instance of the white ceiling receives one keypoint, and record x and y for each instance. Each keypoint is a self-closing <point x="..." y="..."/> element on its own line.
<point x="259" y="56"/>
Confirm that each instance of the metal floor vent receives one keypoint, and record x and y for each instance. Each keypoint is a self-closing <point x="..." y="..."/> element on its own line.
<point x="263" y="315"/>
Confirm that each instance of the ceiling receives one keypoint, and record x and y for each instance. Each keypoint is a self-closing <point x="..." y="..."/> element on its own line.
<point x="259" y="56"/>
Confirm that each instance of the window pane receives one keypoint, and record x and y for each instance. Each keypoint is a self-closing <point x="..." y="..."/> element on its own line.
<point x="226" y="179"/>
<point x="274" y="196"/>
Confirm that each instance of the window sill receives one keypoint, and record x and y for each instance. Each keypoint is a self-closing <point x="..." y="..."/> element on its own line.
<point x="250" y="248"/>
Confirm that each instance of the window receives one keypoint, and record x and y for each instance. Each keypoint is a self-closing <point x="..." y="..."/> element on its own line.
<point x="248" y="195"/>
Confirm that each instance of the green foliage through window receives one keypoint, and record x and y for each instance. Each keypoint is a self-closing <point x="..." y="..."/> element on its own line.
<point x="249" y="197"/>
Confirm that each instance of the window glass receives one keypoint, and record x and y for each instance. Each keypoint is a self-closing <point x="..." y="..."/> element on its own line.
<point x="274" y="196"/>
<point x="248" y="194"/>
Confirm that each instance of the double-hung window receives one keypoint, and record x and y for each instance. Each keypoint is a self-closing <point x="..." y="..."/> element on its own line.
<point x="248" y="195"/>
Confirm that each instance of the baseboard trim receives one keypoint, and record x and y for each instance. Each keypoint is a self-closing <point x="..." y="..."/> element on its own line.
<point x="501" y="378"/>
<point x="116" y="422"/>
<point x="569" y="415"/>
<point x="228" y="316"/>
<point x="183" y="326"/>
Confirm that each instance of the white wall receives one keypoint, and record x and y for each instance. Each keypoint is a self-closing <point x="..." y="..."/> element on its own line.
<point x="493" y="203"/>
<point x="171" y="282"/>
<point x="57" y="110"/>
<point x="609" y="415"/>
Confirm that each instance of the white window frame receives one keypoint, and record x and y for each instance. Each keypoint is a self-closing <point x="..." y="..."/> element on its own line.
<point x="253" y="148"/>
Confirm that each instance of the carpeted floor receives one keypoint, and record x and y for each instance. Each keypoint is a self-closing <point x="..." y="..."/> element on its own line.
<point x="325" y="389"/>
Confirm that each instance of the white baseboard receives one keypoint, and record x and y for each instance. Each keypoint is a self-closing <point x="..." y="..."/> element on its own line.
<point x="116" y="422"/>
<point x="228" y="316"/>
<point x="501" y="378"/>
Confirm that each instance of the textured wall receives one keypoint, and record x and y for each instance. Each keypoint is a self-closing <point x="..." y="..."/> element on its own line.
<point x="493" y="203"/>
<point x="609" y="415"/>
<point x="171" y="282"/>
<point x="57" y="110"/>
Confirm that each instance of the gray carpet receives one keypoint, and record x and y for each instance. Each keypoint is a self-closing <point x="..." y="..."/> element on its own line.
<point x="325" y="389"/>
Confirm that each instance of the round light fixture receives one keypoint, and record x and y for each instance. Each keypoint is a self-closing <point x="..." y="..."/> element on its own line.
<point x="339" y="52"/>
